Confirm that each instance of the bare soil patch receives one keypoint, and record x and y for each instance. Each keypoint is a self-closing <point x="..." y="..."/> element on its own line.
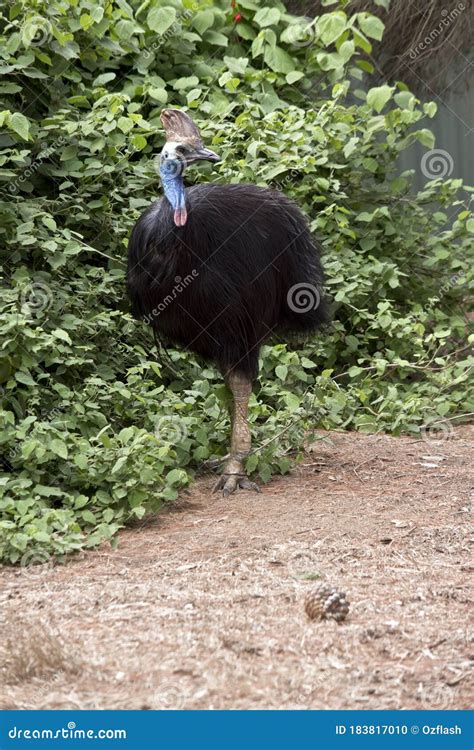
<point x="202" y="606"/>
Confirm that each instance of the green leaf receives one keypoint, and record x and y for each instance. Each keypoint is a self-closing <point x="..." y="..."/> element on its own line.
<point x="346" y="50"/>
<point x="405" y="100"/>
<point x="97" y="14"/>
<point x="378" y="97"/>
<point x="295" y="75"/>
<point x="89" y="517"/>
<point x="331" y="26"/>
<point x="372" y="26"/>
<point x="159" y="94"/>
<point x="68" y="153"/>
<point x="350" y="146"/>
<point x="175" y="475"/>
<point x="186" y="83"/>
<point x="246" y="31"/>
<point x="216" y="39"/>
<point x="42" y="536"/>
<point x="125" y="124"/>
<point x="425" y="137"/>
<point x="278" y="60"/>
<point x="237" y="64"/>
<point x="20" y="124"/>
<point x="118" y="464"/>
<point x="103" y="79"/>
<point x="160" y="19"/>
<point x="360" y="40"/>
<point x="81" y="501"/>
<point x="139" y="142"/>
<point x="59" y="447"/>
<point x="430" y="108"/>
<point x="203" y="20"/>
<point x="193" y="95"/>
<point x="267" y="17"/>
<point x="9" y="88"/>
<point x="291" y="400"/>
<point x="63" y="335"/>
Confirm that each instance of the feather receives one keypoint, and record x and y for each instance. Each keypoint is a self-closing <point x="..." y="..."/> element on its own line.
<point x="179" y="127"/>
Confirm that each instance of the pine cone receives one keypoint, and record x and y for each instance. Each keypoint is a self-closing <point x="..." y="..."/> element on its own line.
<point x="324" y="602"/>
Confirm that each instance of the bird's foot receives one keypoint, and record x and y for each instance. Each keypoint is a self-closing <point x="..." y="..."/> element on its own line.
<point x="229" y="483"/>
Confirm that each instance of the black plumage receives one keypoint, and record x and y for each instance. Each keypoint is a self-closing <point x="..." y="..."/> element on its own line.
<point x="221" y="284"/>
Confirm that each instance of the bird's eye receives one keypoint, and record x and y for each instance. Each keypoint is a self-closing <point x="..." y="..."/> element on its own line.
<point x="181" y="150"/>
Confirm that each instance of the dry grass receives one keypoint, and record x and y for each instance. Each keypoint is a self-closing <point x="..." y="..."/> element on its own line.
<point x="31" y="650"/>
<point x="203" y="606"/>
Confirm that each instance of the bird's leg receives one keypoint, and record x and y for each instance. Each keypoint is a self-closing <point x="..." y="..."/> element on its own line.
<point x="234" y="476"/>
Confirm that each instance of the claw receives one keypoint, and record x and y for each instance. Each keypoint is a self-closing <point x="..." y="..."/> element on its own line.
<point x="246" y="484"/>
<point x="229" y="483"/>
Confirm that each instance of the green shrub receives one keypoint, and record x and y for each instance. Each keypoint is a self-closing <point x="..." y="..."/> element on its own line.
<point x="94" y="432"/>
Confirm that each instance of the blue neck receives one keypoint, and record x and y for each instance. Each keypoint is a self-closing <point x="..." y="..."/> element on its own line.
<point x="172" y="179"/>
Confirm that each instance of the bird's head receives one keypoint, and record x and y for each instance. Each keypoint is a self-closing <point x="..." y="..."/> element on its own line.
<point x="183" y="146"/>
<point x="183" y="154"/>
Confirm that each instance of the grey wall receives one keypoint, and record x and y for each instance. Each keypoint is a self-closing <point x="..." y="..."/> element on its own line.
<point x="453" y="126"/>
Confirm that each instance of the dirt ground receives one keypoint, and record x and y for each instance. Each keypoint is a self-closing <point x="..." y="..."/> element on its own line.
<point x="202" y="606"/>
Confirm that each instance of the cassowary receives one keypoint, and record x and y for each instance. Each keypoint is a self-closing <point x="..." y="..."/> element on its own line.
<point x="217" y="269"/>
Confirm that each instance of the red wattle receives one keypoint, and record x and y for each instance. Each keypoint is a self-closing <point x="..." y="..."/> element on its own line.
<point x="180" y="217"/>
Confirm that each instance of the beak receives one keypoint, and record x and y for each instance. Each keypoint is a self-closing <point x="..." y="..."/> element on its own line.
<point x="207" y="154"/>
